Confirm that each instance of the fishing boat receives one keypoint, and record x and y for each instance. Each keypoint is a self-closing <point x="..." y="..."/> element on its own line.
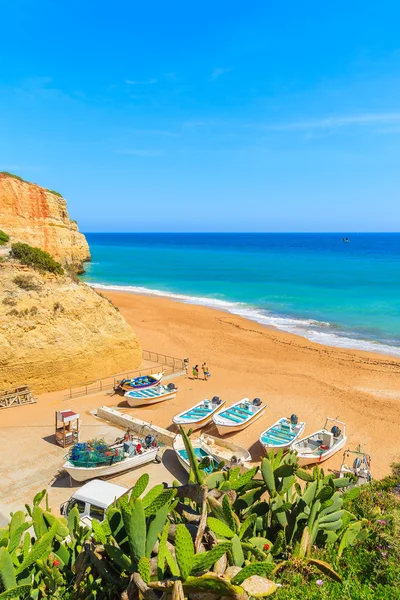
<point x="322" y="444"/>
<point x="360" y="467"/>
<point x="202" y="453"/>
<point x="95" y="458"/>
<point x="152" y="395"/>
<point x="282" y="434"/>
<point x="140" y="383"/>
<point x="238" y="416"/>
<point x="230" y="453"/>
<point x="200" y="414"/>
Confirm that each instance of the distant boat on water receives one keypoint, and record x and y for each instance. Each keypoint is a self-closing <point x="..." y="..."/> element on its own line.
<point x="346" y="240"/>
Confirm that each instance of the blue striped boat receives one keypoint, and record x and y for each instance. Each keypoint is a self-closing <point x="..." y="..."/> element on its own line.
<point x="199" y="415"/>
<point x="160" y="393"/>
<point x="238" y="416"/>
<point x="282" y="434"/>
<point x="140" y="383"/>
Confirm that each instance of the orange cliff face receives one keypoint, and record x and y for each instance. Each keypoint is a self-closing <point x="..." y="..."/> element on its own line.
<point x="39" y="217"/>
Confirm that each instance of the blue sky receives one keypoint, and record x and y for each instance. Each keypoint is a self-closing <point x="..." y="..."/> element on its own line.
<point x="206" y="116"/>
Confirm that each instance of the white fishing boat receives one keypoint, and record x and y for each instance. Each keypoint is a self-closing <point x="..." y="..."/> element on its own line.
<point x="200" y="414"/>
<point x="159" y="393"/>
<point x="232" y="454"/>
<point x="201" y="452"/>
<point x="361" y="467"/>
<point x="282" y="434"/>
<point x="215" y="449"/>
<point x="89" y="460"/>
<point x="238" y="416"/>
<point x="321" y="445"/>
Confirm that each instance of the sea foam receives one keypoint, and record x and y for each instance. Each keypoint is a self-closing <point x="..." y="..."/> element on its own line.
<point x="315" y="331"/>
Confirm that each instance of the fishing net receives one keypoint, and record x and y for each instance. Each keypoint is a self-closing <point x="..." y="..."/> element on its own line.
<point x="94" y="453"/>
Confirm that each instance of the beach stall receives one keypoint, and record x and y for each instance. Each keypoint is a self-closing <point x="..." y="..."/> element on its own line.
<point x="67" y="427"/>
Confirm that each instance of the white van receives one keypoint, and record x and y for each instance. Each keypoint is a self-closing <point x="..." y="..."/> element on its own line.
<point x="92" y="500"/>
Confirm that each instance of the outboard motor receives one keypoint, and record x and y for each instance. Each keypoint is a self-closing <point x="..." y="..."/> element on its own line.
<point x="336" y="431"/>
<point x="294" y="419"/>
<point x="171" y="386"/>
<point x="216" y="400"/>
<point x="149" y="441"/>
<point x="256" y="402"/>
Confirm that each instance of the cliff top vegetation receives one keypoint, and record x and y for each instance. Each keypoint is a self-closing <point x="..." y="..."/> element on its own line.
<point x="24" y="181"/>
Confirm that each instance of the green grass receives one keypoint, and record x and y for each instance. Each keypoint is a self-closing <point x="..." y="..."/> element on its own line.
<point x="370" y="570"/>
<point x="36" y="258"/>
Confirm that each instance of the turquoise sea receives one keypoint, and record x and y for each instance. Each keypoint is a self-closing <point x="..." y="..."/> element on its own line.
<point x="314" y="285"/>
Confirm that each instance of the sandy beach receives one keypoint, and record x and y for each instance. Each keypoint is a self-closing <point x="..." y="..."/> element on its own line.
<point x="289" y="373"/>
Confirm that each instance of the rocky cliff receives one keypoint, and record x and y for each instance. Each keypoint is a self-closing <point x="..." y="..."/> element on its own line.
<point x="55" y="332"/>
<point x="39" y="217"/>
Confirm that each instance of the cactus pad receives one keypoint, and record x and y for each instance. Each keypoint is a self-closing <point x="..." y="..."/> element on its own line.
<point x="184" y="550"/>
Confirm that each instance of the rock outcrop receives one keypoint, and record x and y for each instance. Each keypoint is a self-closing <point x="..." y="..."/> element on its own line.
<point x="39" y="217"/>
<point x="55" y="332"/>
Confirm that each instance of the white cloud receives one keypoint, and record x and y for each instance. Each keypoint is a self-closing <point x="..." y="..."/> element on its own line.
<point x="146" y="82"/>
<point x="335" y="122"/>
<point x="220" y="71"/>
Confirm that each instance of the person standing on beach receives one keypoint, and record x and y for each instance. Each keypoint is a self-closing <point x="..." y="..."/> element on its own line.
<point x="196" y="372"/>
<point x="206" y="372"/>
<point x="186" y="364"/>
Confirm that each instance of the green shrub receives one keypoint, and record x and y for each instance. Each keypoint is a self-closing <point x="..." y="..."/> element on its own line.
<point x="26" y="282"/>
<point x="3" y="238"/>
<point x="36" y="258"/>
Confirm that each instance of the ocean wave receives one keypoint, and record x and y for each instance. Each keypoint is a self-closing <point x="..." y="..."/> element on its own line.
<point x="315" y="331"/>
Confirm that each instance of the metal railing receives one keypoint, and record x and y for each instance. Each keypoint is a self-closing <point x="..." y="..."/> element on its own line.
<point x="170" y="366"/>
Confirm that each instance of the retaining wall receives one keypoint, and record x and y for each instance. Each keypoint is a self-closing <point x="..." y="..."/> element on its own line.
<point x="137" y="425"/>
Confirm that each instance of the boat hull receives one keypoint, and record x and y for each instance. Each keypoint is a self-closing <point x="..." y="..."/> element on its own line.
<point x="136" y="385"/>
<point x="199" y="449"/>
<point x="227" y="429"/>
<point x="84" y="474"/>
<point x="132" y="401"/>
<point x="283" y="446"/>
<point x="308" y="458"/>
<point x="201" y="422"/>
<point x="225" y="450"/>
